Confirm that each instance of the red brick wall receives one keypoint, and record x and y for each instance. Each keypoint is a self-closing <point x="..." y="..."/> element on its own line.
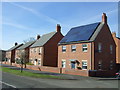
<point x="105" y="38"/>
<point x="78" y="55"/>
<point x="51" y="50"/>
<point x="75" y="72"/>
<point x="35" y="55"/>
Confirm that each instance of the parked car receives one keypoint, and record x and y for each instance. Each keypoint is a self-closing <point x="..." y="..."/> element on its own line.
<point x="118" y="74"/>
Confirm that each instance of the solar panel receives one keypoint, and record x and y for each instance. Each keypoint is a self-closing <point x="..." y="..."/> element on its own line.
<point x="81" y="33"/>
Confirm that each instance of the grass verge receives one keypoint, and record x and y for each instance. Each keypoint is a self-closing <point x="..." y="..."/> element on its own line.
<point x="29" y="74"/>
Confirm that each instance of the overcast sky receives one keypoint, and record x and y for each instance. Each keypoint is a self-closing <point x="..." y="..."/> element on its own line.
<point x="23" y="20"/>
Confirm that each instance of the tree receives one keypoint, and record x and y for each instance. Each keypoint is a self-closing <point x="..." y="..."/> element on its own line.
<point x="22" y="59"/>
<point x="29" y="39"/>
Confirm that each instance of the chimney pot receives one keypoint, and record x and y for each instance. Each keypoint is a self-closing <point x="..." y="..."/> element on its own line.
<point x="16" y="43"/>
<point x="104" y="18"/>
<point x="38" y="36"/>
<point x="58" y="28"/>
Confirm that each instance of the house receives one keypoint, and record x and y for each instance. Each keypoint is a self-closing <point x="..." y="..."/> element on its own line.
<point x="23" y="51"/>
<point x="117" y="41"/>
<point x="2" y="55"/>
<point x="87" y="48"/>
<point x="10" y="54"/>
<point x="44" y="51"/>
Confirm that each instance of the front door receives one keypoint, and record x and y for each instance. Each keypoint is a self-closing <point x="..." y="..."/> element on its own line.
<point x="35" y="62"/>
<point x="73" y="65"/>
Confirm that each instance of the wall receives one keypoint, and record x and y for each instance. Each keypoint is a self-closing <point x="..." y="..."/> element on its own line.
<point x="105" y="38"/>
<point x="51" y="50"/>
<point x="79" y="55"/>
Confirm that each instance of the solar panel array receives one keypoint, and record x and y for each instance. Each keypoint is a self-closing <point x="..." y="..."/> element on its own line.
<point x="81" y="33"/>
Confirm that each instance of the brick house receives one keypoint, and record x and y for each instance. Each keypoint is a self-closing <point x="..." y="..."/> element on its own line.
<point x="44" y="51"/>
<point x="24" y="51"/>
<point x="2" y="55"/>
<point x="10" y="54"/>
<point x="87" y="48"/>
<point x="117" y="41"/>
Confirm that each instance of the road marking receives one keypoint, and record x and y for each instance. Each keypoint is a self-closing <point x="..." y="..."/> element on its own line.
<point x="8" y="84"/>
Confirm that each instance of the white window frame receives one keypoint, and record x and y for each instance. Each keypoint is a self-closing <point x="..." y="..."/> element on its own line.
<point x="99" y="47"/>
<point x="84" y="47"/>
<point x="84" y="65"/>
<point x="63" y="60"/>
<point x="73" y="49"/>
<point x="64" y="50"/>
<point x="40" y="50"/>
<point x="39" y="62"/>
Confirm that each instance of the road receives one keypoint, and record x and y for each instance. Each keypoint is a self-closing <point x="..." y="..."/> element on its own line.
<point x="14" y="81"/>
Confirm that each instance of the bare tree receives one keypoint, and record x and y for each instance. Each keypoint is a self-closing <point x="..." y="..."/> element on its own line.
<point x="22" y="59"/>
<point x="29" y="39"/>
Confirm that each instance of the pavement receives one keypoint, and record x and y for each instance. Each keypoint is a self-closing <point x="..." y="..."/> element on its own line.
<point x="72" y="81"/>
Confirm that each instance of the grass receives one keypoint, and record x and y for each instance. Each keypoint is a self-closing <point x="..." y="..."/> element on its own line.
<point x="29" y="74"/>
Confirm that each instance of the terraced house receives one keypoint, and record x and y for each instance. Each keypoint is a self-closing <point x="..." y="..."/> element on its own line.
<point x="10" y="54"/>
<point x="44" y="51"/>
<point x="23" y="52"/>
<point x="87" y="48"/>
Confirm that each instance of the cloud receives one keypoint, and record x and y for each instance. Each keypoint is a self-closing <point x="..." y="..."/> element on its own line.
<point x="16" y="25"/>
<point x="38" y="14"/>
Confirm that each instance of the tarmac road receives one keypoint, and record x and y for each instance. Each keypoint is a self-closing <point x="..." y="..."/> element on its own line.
<point x="28" y="82"/>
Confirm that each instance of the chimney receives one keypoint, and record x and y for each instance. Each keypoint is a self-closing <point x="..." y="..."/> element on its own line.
<point x="58" y="28"/>
<point x="114" y="34"/>
<point x="16" y="43"/>
<point x="104" y="18"/>
<point x="38" y="36"/>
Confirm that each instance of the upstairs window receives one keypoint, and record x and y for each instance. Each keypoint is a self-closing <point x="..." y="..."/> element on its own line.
<point x="99" y="47"/>
<point x="63" y="48"/>
<point x="73" y="48"/>
<point x="40" y="50"/>
<point x="35" y="50"/>
<point x="111" y="49"/>
<point x="84" y="47"/>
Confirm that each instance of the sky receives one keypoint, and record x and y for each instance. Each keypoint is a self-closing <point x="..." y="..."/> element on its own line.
<point x="21" y="20"/>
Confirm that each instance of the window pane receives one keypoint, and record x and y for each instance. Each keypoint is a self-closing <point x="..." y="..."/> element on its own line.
<point x="63" y="48"/>
<point x="84" y="64"/>
<point x="73" y="48"/>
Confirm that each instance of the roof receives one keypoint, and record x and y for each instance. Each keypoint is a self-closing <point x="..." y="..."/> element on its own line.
<point x="15" y="47"/>
<point x="85" y="33"/>
<point x="26" y="45"/>
<point x="44" y="39"/>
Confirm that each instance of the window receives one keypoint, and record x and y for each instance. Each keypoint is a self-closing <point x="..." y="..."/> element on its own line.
<point x="73" y="65"/>
<point x="84" y="47"/>
<point x="63" y="48"/>
<point x="111" y="65"/>
<point x="111" y="49"/>
<point x="39" y="62"/>
<point x="35" y="50"/>
<point x="63" y="63"/>
<point x="84" y="64"/>
<point x="99" y="47"/>
<point x="73" y="48"/>
<point x="31" y="50"/>
<point x="40" y="50"/>
<point x="100" y="65"/>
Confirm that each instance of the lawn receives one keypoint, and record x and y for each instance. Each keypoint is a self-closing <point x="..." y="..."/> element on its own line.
<point x="29" y="74"/>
